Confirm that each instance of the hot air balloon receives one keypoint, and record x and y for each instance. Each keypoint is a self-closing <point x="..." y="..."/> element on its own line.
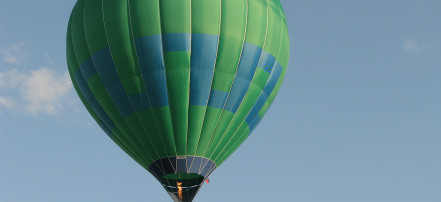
<point x="178" y="84"/>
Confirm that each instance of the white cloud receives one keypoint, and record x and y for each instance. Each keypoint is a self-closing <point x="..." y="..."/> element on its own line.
<point x="42" y="90"/>
<point x="7" y="102"/>
<point x="417" y="47"/>
<point x="11" y="78"/>
<point x="412" y="46"/>
<point x="13" y="54"/>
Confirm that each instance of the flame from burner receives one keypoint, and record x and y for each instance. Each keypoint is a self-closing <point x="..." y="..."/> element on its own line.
<point x="180" y="190"/>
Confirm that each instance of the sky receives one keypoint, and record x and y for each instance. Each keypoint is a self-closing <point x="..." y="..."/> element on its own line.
<point x="358" y="117"/>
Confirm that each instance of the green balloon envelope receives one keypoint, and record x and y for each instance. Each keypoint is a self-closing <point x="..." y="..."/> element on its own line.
<point x="178" y="84"/>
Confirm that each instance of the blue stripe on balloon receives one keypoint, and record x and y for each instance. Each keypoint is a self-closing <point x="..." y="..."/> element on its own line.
<point x="274" y="77"/>
<point x="139" y="102"/>
<point x="237" y="93"/>
<point x="249" y="61"/>
<point x="245" y="73"/>
<point x="82" y="85"/>
<point x="91" y="100"/>
<point x="151" y="62"/>
<point x="87" y="69"/>
<point x="217" y="99"/>
<point x="120" y="99"/>
<point x="149" y="50"/>
<point x="107" y="71"/>
<point x="203" y="61"/>
<point x="253" y="117"/>
<point x="203" y="49"/>
<point x="157" y="89"/>
<point x="176" y="42"/>
<point x="200" y="86"/>
<point x="105" y="67"/>
<point x="267" y="62"/>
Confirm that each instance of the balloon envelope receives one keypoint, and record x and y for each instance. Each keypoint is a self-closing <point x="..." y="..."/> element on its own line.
<point x="178" y="84"/>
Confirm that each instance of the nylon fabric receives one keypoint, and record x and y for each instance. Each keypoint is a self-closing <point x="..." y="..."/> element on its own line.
<point x="166" y="79"/>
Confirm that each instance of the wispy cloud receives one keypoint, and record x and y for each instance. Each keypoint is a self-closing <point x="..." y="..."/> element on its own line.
<point x="7" y="103"/>
<point x="42" y="90"/>
<point x="13" y="54"/>
<point x="417" y="47"/>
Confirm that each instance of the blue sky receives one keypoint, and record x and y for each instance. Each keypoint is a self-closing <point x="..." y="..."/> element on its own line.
<point x="357" y="119"/>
